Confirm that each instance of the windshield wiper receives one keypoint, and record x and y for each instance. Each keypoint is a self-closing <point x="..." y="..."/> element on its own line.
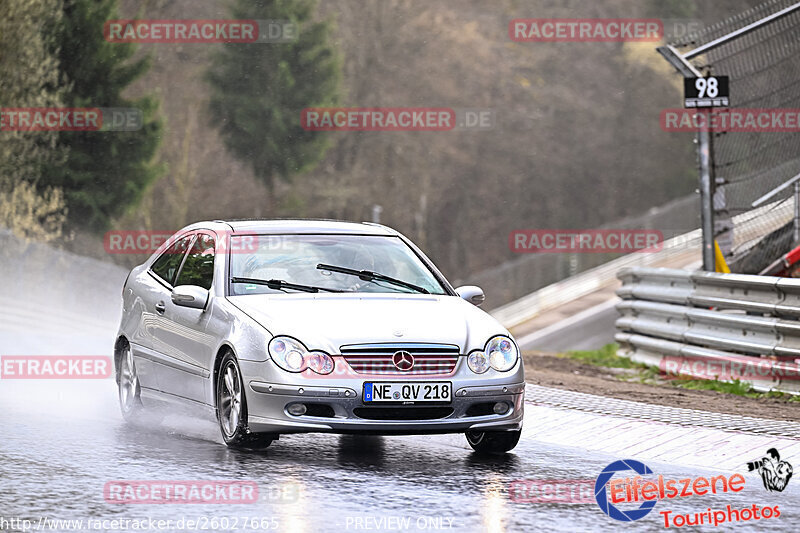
<point x="281" y="284"/>
<point x="366" y="275"/>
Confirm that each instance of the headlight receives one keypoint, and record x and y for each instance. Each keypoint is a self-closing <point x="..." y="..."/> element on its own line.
<point x="291" y="355"/>
<point x="502" y="353"/>
<point x="477" y="362"/>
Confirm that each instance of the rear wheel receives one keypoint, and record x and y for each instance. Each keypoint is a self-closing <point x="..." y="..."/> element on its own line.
<point x="130" y="401"/>
<point x="493" y="442"/>
<point x="232" y="408"/>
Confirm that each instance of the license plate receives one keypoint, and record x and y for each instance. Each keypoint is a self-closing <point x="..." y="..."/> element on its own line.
<point x="408" y="392"/>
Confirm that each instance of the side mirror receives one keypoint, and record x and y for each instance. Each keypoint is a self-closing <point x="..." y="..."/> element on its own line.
<point x="472" y="294"/>
<point x="190" y="296"/>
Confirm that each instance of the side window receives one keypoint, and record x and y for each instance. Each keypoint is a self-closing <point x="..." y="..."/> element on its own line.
<point x="199" y="266"/>
<point x="166" y="266"/>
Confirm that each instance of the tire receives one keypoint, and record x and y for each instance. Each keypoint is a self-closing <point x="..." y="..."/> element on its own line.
<point x="493" y="442"/>
<point x="231" y="407"/>
<point x="128" y="387"/>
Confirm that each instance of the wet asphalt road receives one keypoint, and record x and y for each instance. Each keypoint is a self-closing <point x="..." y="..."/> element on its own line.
<point x="63" y="440"/>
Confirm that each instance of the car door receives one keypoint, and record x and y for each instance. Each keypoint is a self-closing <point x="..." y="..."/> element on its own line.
<point x="182" y="338"/>
<point x="152" y="288"/>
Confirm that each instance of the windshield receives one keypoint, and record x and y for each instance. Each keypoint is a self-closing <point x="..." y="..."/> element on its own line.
<point x="294" y="259"/>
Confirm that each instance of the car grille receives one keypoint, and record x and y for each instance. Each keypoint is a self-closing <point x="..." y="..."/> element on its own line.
<point x="429" y="359"/>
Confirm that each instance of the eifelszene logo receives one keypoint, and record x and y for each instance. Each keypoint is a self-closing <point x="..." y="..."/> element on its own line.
<point x="647" y="488"/>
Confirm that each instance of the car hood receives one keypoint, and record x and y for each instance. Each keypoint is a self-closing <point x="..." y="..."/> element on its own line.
<point x="329" y="321"/>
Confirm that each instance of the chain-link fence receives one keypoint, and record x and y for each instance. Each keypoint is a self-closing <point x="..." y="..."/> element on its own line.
<point x="764" y="70"/>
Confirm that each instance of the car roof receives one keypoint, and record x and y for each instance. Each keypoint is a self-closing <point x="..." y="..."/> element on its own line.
<point x="295" y="226"/>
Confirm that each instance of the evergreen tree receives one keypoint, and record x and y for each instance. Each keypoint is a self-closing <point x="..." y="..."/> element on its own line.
<point x="259" y="90"/>
<point x="106" y="172"/>
<point x="29" y="78"/>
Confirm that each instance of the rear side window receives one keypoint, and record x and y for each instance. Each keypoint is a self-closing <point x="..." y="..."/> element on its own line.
<point x="198" y="269"/>
<point x="166" y="266"/>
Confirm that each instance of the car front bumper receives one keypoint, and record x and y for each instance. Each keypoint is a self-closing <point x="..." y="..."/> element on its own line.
<point x="471" y="409"/>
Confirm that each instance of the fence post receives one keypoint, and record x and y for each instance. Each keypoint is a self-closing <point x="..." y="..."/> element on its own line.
<point x="705" y="157"/>
<point x="707" y="196"/>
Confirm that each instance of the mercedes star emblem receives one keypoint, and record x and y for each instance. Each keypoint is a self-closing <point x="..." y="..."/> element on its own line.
<point x="403" y="360"/>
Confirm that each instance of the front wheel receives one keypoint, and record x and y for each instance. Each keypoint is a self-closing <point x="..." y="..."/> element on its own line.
<point x="493" y="442"/>
<point x="232" y="408"/>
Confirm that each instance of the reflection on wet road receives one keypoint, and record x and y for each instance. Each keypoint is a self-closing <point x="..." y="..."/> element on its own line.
<point x="63" y="441"/>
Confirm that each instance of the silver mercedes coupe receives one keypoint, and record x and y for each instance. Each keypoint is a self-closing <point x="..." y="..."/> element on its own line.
<point x="288" y="326"/>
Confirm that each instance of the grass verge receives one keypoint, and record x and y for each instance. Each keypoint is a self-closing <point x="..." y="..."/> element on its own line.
<point x="607" y="357"/>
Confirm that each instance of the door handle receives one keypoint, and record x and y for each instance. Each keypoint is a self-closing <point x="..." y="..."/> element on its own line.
<point x="161" y="307"/>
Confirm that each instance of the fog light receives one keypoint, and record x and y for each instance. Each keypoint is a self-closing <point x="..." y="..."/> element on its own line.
<point x="299" y="409"/>
<point x="500" y="408"/>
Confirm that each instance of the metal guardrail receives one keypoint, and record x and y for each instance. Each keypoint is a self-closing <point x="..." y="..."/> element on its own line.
<point x="706" y="325"/>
